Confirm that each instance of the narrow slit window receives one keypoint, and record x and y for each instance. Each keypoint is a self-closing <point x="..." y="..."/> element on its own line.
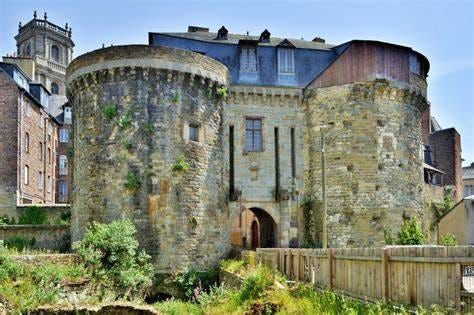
<point x="194" y="133"/>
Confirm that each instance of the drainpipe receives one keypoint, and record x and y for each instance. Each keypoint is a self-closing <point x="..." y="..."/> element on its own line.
<point x="19" y="151"/>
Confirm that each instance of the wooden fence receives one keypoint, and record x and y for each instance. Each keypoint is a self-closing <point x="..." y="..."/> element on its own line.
<point x="417" y="275"/>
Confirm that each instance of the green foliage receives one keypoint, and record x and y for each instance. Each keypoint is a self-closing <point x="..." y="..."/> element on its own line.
<point x="448" y="240"/>
<point x="255" y="284"/>
<point x="233" y="265"/>
<point x="132" y="182"/>
<point x="175" y="97"/>
<point x="5" y="220"/>
<point x="110" y="252"/>
<point x="190" y="280"/>
<point x="149" y="129"/>
<point x="125" y="121"/>
<point x="176" y="307"/>
<point x="387" y="236"/>
<point x="8" y="267"/>
<point x="109" y="111"/>
<point x="441" y="208"/>
<point x="33" y="215"/>
<point x="19" y="242"/>
<point x="70" y="151"/>
<point x="180" y="165"/>
<point x="410" y="233"/>
<point x="310" y="204"/>
<point x="127" y="144"/>
<point x="222" y="92"/>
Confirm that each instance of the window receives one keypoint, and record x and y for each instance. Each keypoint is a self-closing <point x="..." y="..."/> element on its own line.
<point x="27" y="52"/>
<point x="62" y="187"/>
<point x="27" y="109"/>
<point x="63" y="135"/>
<point x="253" y="134"/>
<point x="40" y="151"/>
<point x="62" y="165"/>
<point x="50" y="131"/>
<point x="54" y="88"/>
<point x="27" y="142"/>
<point x="49" y="155"/>
<point x="41" y="121"/>
<point x="248" y="59"/>
<point x="26" y="175"/>
<point x="193" y="133"/>
<point x="55" y="53"/>
<point x="286" y="60"/>
<point x="48" y="184"/>
<point x="40" y="180"/>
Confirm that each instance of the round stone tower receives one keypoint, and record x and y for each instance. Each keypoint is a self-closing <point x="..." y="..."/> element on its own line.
<point x="148" y="147"/>
<point x="369" y="116"/>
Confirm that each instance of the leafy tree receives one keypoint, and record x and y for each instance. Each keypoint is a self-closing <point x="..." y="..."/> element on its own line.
<point x="110" y="252"/>
<point x="410" y="233"/>
<point x="448" y="240"/>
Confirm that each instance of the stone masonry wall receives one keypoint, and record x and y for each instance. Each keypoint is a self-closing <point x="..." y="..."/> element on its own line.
<point x="158" y="92"/>
<point x="373" y="163"/>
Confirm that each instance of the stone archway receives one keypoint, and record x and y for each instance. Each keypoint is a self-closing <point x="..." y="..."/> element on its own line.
<point x="254" y="227"/>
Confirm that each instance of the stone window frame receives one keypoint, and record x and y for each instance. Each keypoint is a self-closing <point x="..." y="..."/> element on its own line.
<point x="54" y="57"/>
<point x="200" y="132"/>
<point x="262" y="122"/>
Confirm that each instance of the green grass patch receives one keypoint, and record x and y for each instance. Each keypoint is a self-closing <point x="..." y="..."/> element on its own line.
<point x="109" y="111"/>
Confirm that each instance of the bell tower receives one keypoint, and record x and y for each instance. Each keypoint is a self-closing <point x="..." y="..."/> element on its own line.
<point x="50" y="47"/>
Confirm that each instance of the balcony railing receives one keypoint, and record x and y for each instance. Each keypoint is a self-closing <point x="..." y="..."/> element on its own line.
<point x="46" y="24"/>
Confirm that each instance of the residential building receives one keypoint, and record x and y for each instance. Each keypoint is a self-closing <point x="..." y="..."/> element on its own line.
<point x="468" y="180"/>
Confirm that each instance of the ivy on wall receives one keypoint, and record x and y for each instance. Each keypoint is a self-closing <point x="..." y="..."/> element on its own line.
<point x="310" y="204"/>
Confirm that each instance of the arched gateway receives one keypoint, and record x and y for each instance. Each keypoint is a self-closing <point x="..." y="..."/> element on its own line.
<point x="252" y="228"/>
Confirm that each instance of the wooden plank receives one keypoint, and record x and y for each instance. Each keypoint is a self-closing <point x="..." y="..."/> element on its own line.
<point x="385" y="275"/>
<point x="330" y="268"/>
<point x="440" y="260"/>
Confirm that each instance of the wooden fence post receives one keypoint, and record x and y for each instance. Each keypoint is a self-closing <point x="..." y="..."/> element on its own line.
<point x="330" y="268"/>
<point x="458" y="287"/>
<point x="385" y="273"/>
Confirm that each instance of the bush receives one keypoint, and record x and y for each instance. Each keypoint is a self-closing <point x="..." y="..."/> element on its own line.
<point x="180" y="165"/>
<point x="19" y="242"/>
<point x="444" y="206"/>
<point x="448" y="240"/>
<point x="132" y="182"/>
<point x="190" y="280"/>
<point x="222" y="92"/>
<point x="33" y="215"/>
<point x="232" y="265"/>
<point x="109" y="111"/>
<point x="5" y="220"/>
<point x="110" y="252"/>
<point x="410" y="233"/>
<point x="8" y="267"/>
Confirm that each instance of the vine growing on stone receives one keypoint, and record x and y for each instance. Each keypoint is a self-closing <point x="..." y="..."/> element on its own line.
<point x="309" y="205"/>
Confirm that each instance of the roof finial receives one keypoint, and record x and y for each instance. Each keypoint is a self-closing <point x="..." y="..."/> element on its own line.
<point x="34" y="14"/>
<point x="247" y="33"/>
<point x="45" y="16"/>
<point x="70" y="32"/>
<point x="19" y="26"/>
<point x="66" y="26"/>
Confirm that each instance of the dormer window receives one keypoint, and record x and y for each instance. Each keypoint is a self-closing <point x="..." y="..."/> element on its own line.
<point x="222" y="33"/>
<point x="248" y="59"/>
<point x="286" y="60"/>
<point x="265" y="37"/>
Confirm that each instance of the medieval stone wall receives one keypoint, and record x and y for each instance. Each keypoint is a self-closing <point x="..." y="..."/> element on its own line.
<point x="373" y="162"/>
<point x="123" y="165"/>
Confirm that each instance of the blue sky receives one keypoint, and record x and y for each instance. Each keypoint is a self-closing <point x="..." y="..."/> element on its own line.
<point x="441" y="30"/>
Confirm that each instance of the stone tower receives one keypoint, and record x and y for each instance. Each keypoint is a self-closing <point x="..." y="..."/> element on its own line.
<point x="50" y="47"/>
<point x="148" y="147"/>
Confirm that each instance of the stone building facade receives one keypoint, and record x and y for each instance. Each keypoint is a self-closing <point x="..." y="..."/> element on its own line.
<point x="28" y="140"/>
<point x="188" y="135"/>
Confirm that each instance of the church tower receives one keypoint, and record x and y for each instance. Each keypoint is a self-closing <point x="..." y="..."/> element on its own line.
<point x="50" y="48"/>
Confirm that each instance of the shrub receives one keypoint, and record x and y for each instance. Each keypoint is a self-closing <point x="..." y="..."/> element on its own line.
<point x="255" y="284"/>
<point x="110" y="252"/>
<point x="5" y="220"/>
<point x="448" y="240"/>
<point x="232" y="265"/>
<point x="70" y="151"/>
<point x="222" y="92"/>
<point x="387" y="236"/>
<point x="19" y="242"/>
<point x="190" y="280"/>
<point x="125" y="121"/>
<point x="109" y="111"/>
<point x="180" y="165"/>
<point x="8" y="267"/>
<point x="176" y="307"/>
<point x="444" y="206"/>
<point x="33" y="215"/>
<point x="410" y="233"/>
<point x="132" y="182"/>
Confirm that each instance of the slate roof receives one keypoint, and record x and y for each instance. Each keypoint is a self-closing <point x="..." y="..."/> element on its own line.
<point x="234" y="39"/>
<point x="468" y="171"/>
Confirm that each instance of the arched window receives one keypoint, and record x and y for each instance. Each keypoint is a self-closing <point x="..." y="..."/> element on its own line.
<point x="54" y="88"/>
<point x="55" y="53"/>
<point x="27" y="51"/>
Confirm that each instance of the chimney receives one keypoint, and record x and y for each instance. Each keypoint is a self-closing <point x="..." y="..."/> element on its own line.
<point x="222" y="33"/>
<point x="318" y="39"/>
<point x="193" y="29"/>
<point x="265" y="36"/>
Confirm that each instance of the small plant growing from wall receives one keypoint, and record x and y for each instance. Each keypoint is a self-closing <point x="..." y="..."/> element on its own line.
<point x="448" y="240"/>
<point x="127" y="144"/>
<point x="222" y="92"/>
<point x="109" y="111"/>
<point x="149" y="129"/>
<point x="175" y="97"/>
<point x="180" y="165"/>
<point x="410" y="233"/>
<point x="445" y="205"/>
<point x="125" y="121"/>
<point x="132" y="182"/>
<point x="387" y="236"/>
<point x="70" y="151"/>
